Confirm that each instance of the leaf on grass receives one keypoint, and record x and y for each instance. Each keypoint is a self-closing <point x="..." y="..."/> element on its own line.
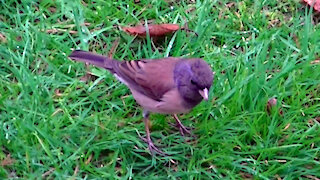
<point x="272" y="102"/>
<point x="314" y="3"/>
<point x="57" y="92"/>
<point x="155" y="30"/>
<point x="89" y="76"/>
<point x="3" y="38"/>
<point x="7" y="161"/>
<point x="246" y="175"/>
<point x="317" y="61"/>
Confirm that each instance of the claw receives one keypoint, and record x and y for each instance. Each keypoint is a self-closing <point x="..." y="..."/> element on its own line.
<point x="183" y="130"/>
<point x="152" y="148"/>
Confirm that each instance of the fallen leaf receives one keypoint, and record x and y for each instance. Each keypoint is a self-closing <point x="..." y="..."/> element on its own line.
<point x="88" y="76"/>
<point x="310" y="122"/>
<point x="314" y="3"/>
<point x="52" y="9"/>
<point x="57" y="92"/>
<point x="3" y="38"/>
<point x="246" y="175"/>
<point x="155" y="30"/>
<point x="7" y="161"/>
<point x="272" y="102"/>
<point x="317" y="61"/>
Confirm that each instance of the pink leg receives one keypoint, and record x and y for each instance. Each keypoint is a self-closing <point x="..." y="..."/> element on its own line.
<point x="148" y="140"/>
<point x="183" y="130"/>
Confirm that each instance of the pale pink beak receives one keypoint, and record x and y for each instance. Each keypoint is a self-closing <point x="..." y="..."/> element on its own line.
<point x="204" y="93"/>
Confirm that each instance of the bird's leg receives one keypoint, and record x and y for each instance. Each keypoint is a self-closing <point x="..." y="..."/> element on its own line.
<point x="183" y="130"/>
<point x="148" y="140"/>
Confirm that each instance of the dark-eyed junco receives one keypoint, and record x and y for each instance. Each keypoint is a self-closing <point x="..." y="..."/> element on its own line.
<point x="166" y="86"/>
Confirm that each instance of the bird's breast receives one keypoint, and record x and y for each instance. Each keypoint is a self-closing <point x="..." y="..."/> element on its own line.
<point x="170" y="103"/>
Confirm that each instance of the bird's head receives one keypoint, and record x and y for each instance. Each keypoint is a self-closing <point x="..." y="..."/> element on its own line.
<point x="193" y="78"/>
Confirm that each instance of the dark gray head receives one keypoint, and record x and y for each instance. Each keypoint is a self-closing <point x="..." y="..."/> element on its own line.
<point x="193" y="78"/>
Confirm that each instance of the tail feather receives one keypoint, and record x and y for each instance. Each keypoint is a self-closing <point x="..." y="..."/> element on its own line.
<point x="92" y="58"/>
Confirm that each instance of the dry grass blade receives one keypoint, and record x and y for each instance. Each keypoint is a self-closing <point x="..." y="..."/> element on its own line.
<point x="113" y="49"/>
<point x="48" y="172"/>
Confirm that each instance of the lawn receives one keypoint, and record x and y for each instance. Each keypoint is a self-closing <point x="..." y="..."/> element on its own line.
<point x="61" y="119"/>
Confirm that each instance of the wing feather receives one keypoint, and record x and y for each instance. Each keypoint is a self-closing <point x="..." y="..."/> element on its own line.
<point x="151" y="77"/>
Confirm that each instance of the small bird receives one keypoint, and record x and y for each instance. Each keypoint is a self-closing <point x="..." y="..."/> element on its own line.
<point x="167" y="86"/>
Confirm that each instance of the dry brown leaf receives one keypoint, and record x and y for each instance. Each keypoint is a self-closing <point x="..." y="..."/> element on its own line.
<point x="3" y="38"/>
<point x="52" y="9"/>
<point x="310" y="122"/>
<point x="7" y="161"/>
<point x="155" y="30"/>
<point x="89" y="75"/>
<point x="317" y="61"/>
<point x="57" y="92"/>
<point x="246" y="175"/>
<point x="272" y="102"/>
<point x="314" y="3"/>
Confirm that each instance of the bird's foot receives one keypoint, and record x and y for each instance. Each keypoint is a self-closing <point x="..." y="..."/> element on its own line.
<point x="183" y="129"/>
<point x="152" y="148"/>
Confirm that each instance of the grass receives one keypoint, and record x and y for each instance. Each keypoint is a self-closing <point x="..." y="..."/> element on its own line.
<point x="53" y="125"/>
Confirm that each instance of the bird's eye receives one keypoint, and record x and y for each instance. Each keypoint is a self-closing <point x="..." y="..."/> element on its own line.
<point x="192" y="82"/>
